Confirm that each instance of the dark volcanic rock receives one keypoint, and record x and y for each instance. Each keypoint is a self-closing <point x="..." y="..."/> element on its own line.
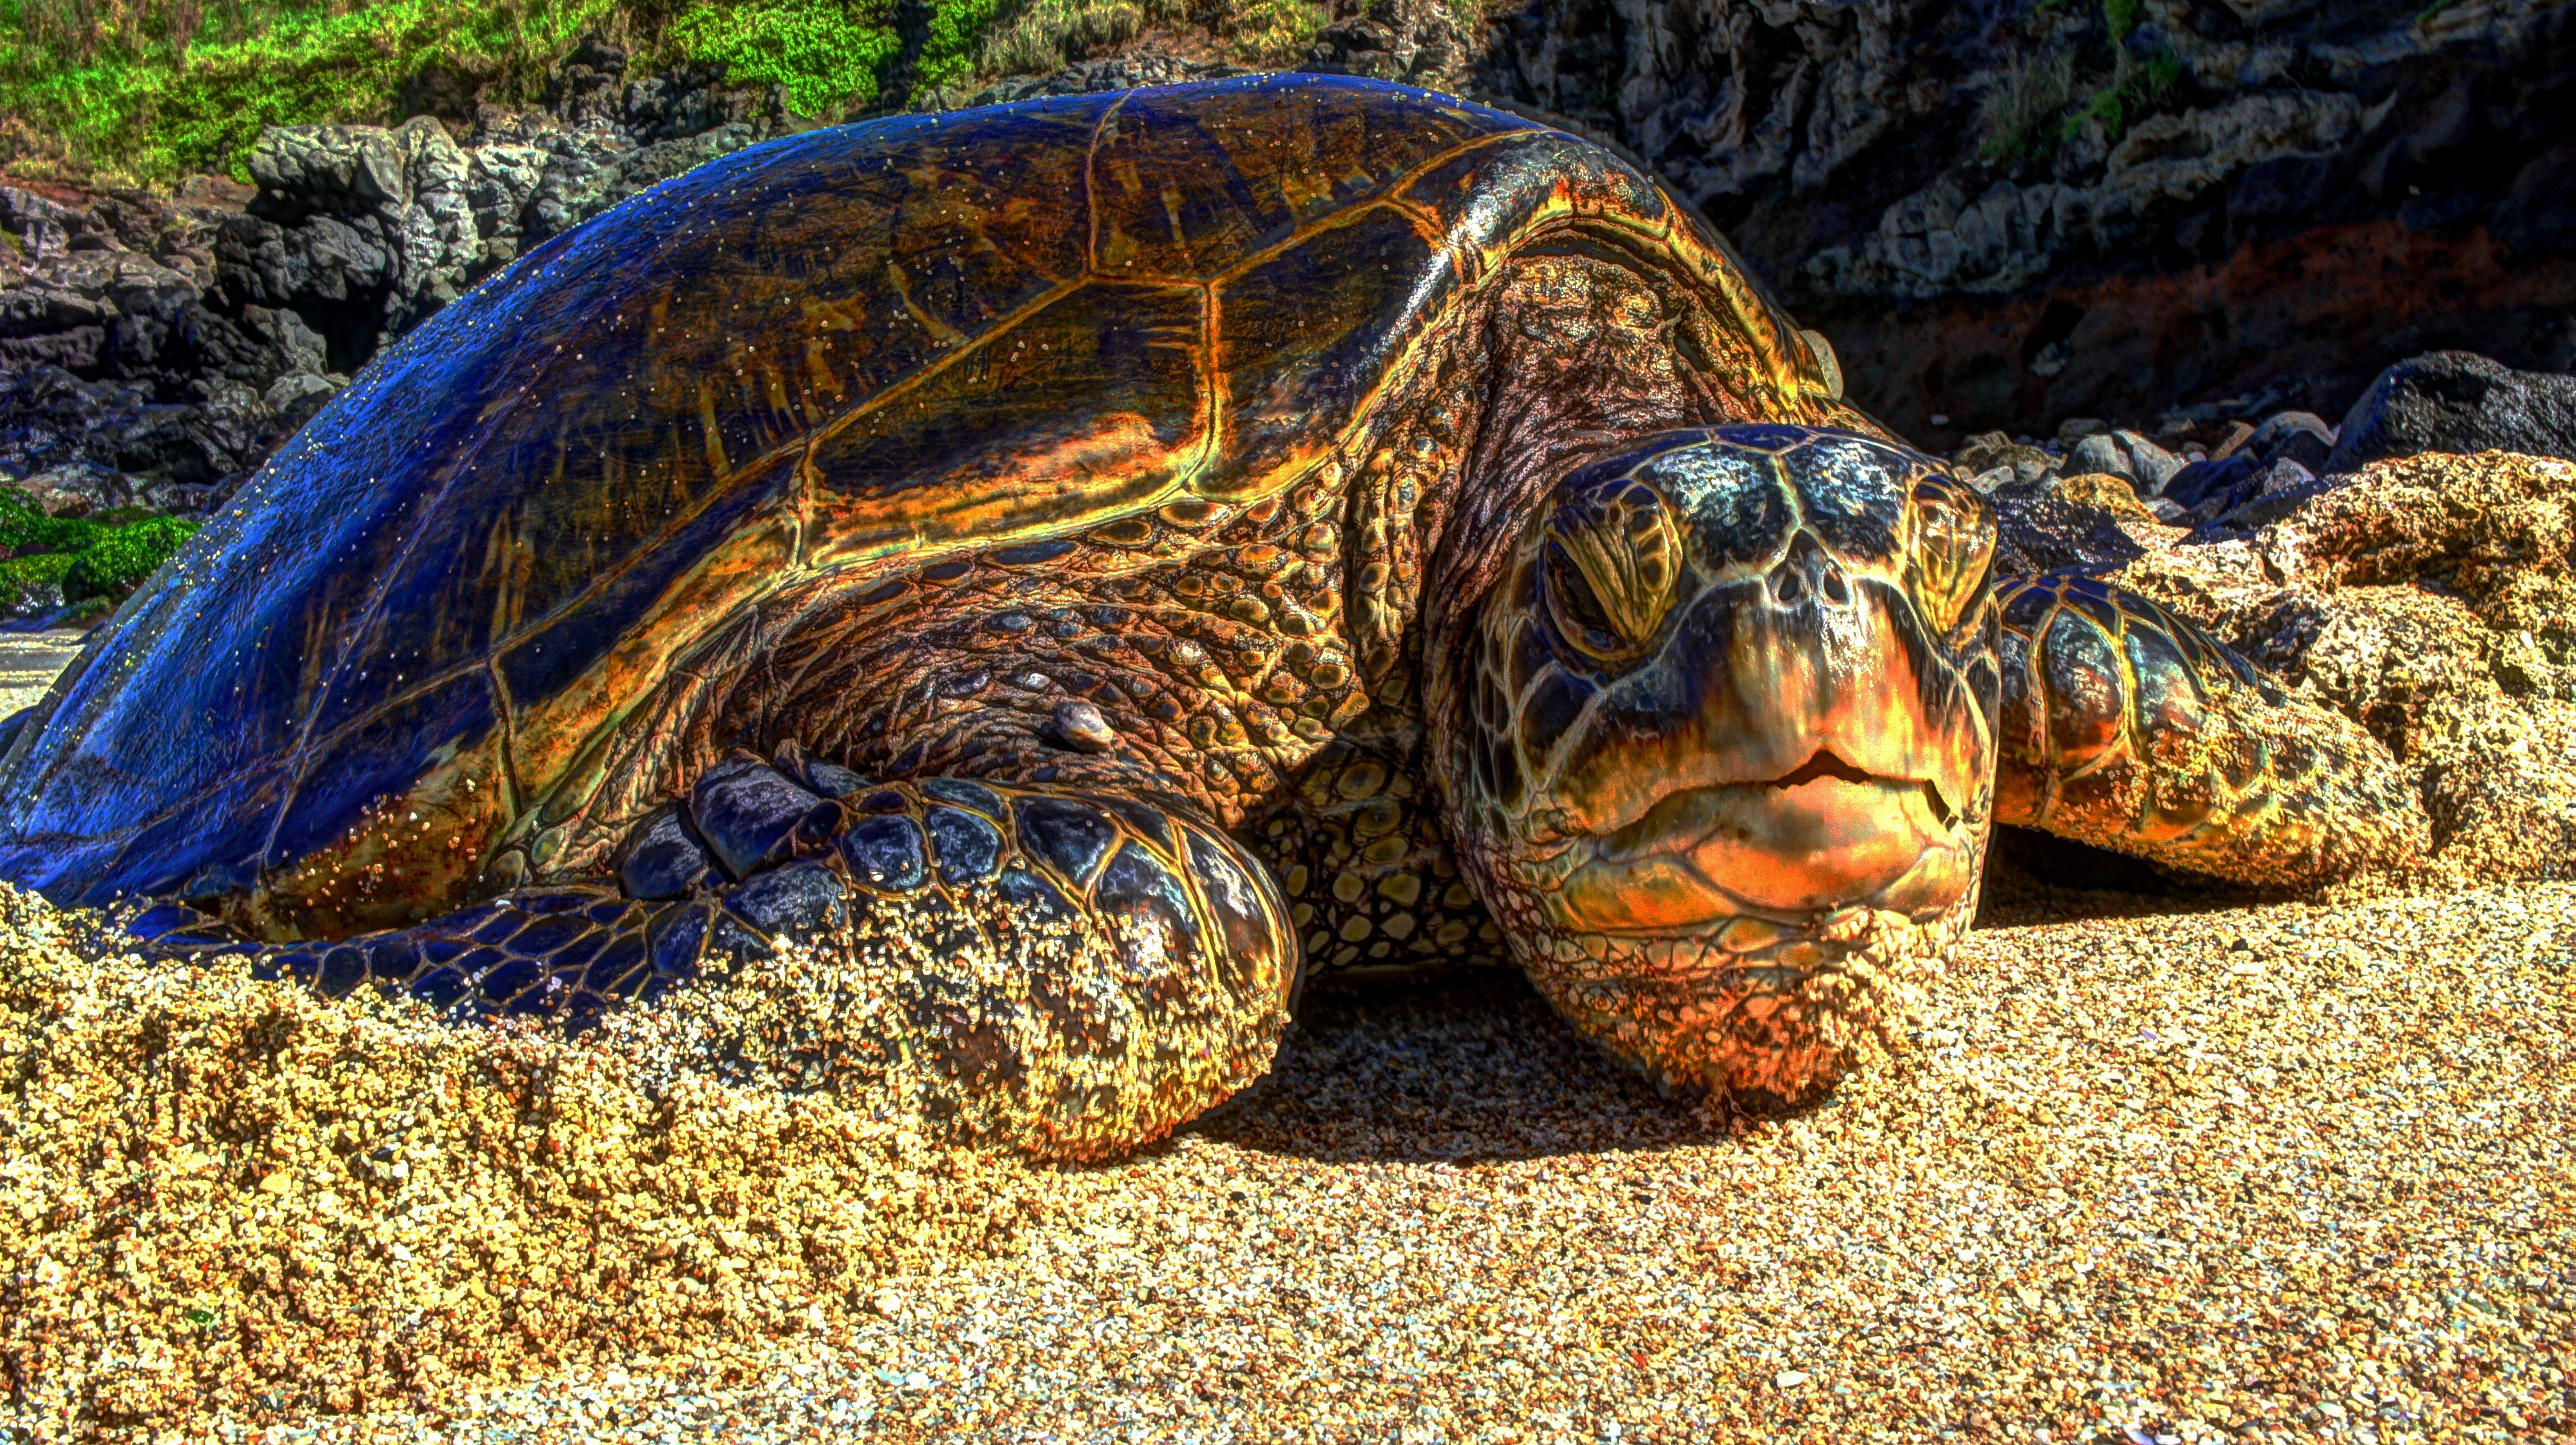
<point x="2298" y="436"/>
<point x="2458" y="401"/>
<point x="157" y="349"/>
<point x="2090" y="524"/>
<point x="1418" y="42"/>
<point x="2244" y="207"/>
<point x="1111" y="72"/>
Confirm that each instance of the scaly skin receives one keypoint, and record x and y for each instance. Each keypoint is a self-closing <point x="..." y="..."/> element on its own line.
<point x="2129" y="728"/>
<point x="1721" y="748"/>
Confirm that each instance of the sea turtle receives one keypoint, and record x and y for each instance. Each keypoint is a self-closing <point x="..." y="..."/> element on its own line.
<point x="1209" y="529"/>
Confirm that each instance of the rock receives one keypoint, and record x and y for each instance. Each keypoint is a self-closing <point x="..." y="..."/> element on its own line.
<point x="2126" y="455"/>
<point x="2108" y="491"/>
<point x="2458" y="402"/>
<point x="692" y="100"/>
<point x="299" y="348"/>
<point x="2217" y="477"/>
<point x="2076" y="428"/>
<point x="2434" y="599"/>
<point x="2269" y="494"/>
<point x="1987" y="451"/>
<point x="2140" y="227"/>
<point x="2089" y="524"/>
<point x="349" y="171"/>
<point x="1114" y="72"/>
<point x="186" y="444"/>
<point x="172" y="341"/>
<point x="501" y="177"/>
<point x="449" y="92"/>
<point x="50" y="418"/>
<point x="293" y="399"/>
<point x="585" y="85"/>
<point x="365" y="229"/>
<point x="78" y="489"/>
<point x="1418" y="42"/>
<point x="2299" y="436"/>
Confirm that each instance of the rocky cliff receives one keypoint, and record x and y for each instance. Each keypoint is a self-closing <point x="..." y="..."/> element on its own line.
<point x="154" y="349"/>
<point x="2006" y="213"/>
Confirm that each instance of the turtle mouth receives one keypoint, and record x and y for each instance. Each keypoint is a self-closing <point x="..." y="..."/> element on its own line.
<point x="1828" y="764"/>
<point x="1824" y="835"/>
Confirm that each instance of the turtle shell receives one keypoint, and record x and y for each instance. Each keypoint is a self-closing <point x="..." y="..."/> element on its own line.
<point x="852" y="349"/>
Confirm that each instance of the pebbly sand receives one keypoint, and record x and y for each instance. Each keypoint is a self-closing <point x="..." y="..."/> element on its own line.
<point x="29" y="661"/>
<point x="2150" y="1169"/>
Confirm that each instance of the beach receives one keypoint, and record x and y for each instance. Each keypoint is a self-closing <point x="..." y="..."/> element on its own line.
<point x="2146" y="1169"/>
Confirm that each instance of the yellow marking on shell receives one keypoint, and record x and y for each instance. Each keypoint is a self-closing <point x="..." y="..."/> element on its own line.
<point x="997" y="511"/>
<point x="380" y="872"/>
<point x="719" y="466"/>
<point x="549" y="735"/>
<point x="944" y="333"/>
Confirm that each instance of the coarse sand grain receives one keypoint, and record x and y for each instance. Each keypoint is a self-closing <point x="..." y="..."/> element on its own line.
<point x="29" y="662"/>
<point x="2151" y="1169"/>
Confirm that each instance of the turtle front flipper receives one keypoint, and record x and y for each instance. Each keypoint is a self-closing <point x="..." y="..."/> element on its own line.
<point x="2129" y="728"/>
<point x="1069" y="972"/>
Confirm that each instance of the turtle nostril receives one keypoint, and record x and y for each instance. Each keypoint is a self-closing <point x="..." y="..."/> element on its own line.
<point x="1836" y="590"/>
<point x="1786" y="586"/>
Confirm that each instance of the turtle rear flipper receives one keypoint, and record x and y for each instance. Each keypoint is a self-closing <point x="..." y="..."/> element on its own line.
<point x="1081" y="971"/>
<point x="2129" y="728"/>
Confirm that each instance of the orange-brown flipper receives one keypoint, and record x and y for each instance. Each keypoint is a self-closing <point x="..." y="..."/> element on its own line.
<point x="2127" y="727"/>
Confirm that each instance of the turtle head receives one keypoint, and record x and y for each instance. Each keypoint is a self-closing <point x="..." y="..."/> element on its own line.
<point x="1722" y="746"/>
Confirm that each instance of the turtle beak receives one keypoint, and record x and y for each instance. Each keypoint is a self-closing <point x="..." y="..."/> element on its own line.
<point x="1818" y="838"/>
<point x="1800" y="745"/>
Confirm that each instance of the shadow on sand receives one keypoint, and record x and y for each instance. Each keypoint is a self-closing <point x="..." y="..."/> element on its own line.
<point x="1470" y="1064"/>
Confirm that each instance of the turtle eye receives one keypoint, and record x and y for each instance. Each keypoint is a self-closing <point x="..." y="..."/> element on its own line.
<point x="1951" y="552"/>
<point x="1613" y="567"/>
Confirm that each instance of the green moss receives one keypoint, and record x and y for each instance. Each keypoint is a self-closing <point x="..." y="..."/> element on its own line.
<point x="101" y="556"/>
<point x="153" y="96"/>
<point x="2135" y="87"/>
<point x="123" y="556"/>
<point x="2119" y="17"/>
<point x="952" y="49"/>
<point x="24" y="578"/>
<point x="152" y="90"/>
<point x="829" y="56"/>
<point x="23" y="529"/>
